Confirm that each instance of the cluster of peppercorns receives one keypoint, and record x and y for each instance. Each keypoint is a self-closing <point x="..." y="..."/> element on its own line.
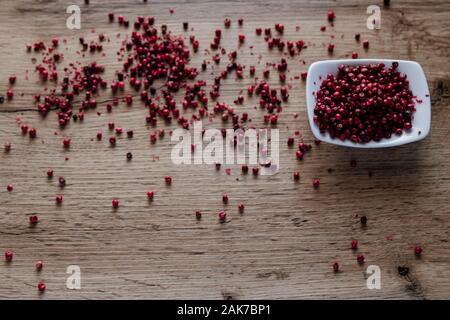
<point x="364" y="103"/>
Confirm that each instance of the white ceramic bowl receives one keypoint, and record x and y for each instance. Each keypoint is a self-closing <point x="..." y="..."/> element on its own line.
<point x="417" y="82"/>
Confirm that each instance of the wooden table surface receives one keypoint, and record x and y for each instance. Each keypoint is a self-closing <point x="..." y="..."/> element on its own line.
<point x="285" y="243"/>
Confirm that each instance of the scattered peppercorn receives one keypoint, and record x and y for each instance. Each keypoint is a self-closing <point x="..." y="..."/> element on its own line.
<point x="363" y="220"/>
<point x="115" y="203"/>
<point x="336" y="267"/>
<point x="360" y="259"/>
<point x="418" y="250"/>
<point x="41" y="285"/>
<point x="39" y="265"/>
<point x="9" y="256"/>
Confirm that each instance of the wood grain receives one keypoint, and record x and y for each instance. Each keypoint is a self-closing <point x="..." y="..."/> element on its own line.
<point x="284" y="244"/>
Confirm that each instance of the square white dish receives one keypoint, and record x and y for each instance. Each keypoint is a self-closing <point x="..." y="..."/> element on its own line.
<point x="421" y="121"/>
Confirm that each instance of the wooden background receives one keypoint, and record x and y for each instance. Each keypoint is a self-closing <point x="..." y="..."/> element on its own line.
<point x="284" y="244"/>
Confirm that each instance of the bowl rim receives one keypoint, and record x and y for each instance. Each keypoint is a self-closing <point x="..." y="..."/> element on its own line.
<point x="384" y="143"/>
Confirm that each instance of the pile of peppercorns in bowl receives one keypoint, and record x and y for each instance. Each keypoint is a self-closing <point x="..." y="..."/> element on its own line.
<point x="368" y="103"/>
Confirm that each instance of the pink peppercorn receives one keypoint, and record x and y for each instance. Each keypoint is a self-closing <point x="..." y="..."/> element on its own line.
<point x="39" y="265"/>
<point x="241" y="207"/>
<point x="225" y="198"/>
<point x="366" y="44"/>
<point x="32" y="133"/>
<point x="112" y="141"/>
<point x="115" y="203"/>
<point x="168" y="180"/>
<point x="418" y="250"/>
<point x="244" y="169"/>
<point x="59" y="199"/>
<point x="33" y="219"/>
<point x="7" y="147"/>
<point x="41" y="286"/>
<point x="296" y="175"/>
<point x="290" y="141"/>
<point x="9" y="188"/>
<point x="9" y="256"/>
<point x="150" y="195"/>
<point x="198" y="215"/>
<point x="66" y="143"/>
<point x="99" y="135"/>
<point x="331" y="15"/>
<point x="222" y="216"/>
<point x="354" y="55"/>
<point x="255" y="171"/>
<point x="354" y="244"/>
<point x="360" y="259"/>
<point x="336" y="267"/>
<point x="316" y="183"/>
<point x="10" y="94"/>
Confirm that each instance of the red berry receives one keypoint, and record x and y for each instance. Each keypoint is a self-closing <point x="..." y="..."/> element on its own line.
<point x="150" y="195"/>
<point x="49" y="173"/>
<point x="290" y="141"/>
<point x="418" y="250"/>
<point x="62" y="182"/>
<point x="168" y="180"/>
<point x="32" y="133"/>
<point x="41" y="286"/>
<point x="225" y="198"/>
<point x="66" y="142"/>
<point x="7" y="147"/>
<point x="255" y="171"/>
<point x="336" y="267"/>
<point x="316" y="183"/>
<point x="9" y="256"/>
<point x="296" y="175"/>
<point x="115" y="203"/>
<point x="112" y="141"/>
<point x="9" y="188"/>
<point x="354" y="244"/>
<point x="10" y="94"/>
<point x="222" y="216"/>
<point x="331" y="15"/>
<point x="244" y="169"/>
<point x="34" y="219"/>
<point x="354" y="55"/>
<point x="366" y="44"/>
<point x="198" y="215"/>
<point x="59" y="199"/>
<point x="39" y="265"/>
<point x="330" y="47"/>
<point x="360" y="259"/>
<point x="241" y="207"/>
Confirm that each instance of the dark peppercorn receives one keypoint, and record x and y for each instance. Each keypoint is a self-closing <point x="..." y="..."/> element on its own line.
<point x="2" y="99"/>
<point x="363" y="220"/>
<point x="129" y="156"/>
